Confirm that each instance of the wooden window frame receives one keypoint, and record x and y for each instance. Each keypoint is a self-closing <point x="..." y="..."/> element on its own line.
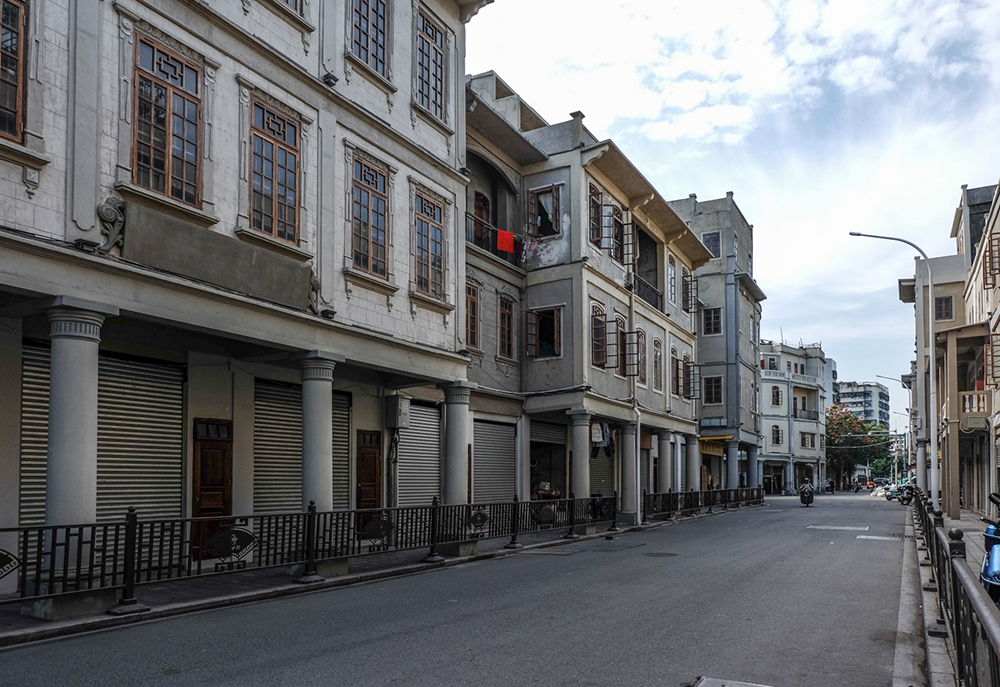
<point x="944" y="308"/>
<point x="643" y="373"/>
<point x="20" y="82"/>
<point x="711" y="324"/>
<point x="671" y="279"/>
<point x="532" y="343"/>
<point x="595" y="203"/>
<point x="598" y="336"/>
<point x="533" y="217"/>
<point x="435" y="85"/>
<point x="364" y="45"/>
<point x="717" y="253"/>
<point x="775" y="395"/>
<point x="140" y="73"/>
<point x="613" y="231"/>
<point x="621" y="345"/>
<point x="428" y="229"/>
<point x="676" y="373"/>
<point x="472" y="315"/>
<point x="260" y="132"/>
<point x="776" y="435"/>
<point x="657" y="365"/>
<point x="361" y="246"/>
<point x="505" y="327"/>
<point x="296" y="6"/>
<point x="710" y="384"/>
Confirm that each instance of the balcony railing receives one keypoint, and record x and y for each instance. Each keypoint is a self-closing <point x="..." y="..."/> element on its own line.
<point x="974" y="404"/>
<point x="774" y="374"/>
<point x="805" y="379"/>
<point x="484" y="235"/>
<point x="802" y="414"/>
<point x="648" y="293"/>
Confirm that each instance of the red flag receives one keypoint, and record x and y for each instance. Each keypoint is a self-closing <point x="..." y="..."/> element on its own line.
<point x="505" y="241"/>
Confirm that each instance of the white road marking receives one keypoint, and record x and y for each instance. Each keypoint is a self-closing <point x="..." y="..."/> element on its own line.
<point x="833" y="527"/>
<point x="869" y="536"/>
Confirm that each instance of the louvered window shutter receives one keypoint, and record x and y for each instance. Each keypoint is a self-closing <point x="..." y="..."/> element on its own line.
<point x="531" y="335"/>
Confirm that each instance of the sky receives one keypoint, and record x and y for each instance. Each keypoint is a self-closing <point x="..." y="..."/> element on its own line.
<point x="822" y="117"/>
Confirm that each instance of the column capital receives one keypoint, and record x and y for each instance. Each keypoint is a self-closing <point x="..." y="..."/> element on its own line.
<point x="579" y="416"/>
<point x="71" y="323"/>
<point x="663" y="434"/>
<point x="628" y="428"/>
<point x="318" y="365"/>
<point x="457" y="392"/>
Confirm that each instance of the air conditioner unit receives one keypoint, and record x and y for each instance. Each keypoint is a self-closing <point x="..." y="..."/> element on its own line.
<point x="397" y="412"/>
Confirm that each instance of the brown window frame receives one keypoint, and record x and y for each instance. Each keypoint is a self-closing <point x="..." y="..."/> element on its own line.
<point x="613" y="229"/>
<point x="676" y="373"/>
<point x="643" y="375"/>
<point x="365" y="43"/>
<point x="432" y="65"/>
<point x="472" y="315"/>
<point x="596" y="202"/>
<point x="671" y="279"/>
<point x="944" y="308"/>
<point x="505" y="327"/>
<point x="371" y="179"/>
<point x="274" y="130"/>
<point x="428" y="254"/>
<point x="19" y="83"/>
<point x="657" y="365"/>
<point x="173" y="91"/>
<point x="621" y="344"/>
<point x="533" y="216"/>
<point x="711" y="321"/>
<point x="713" y="390"/>
<point x="776" y="437"/>
<point x="717" y="242"/>
<point x="533" y="346"/>
<point x="297" y="6"/>
<point x="598" y="336"/>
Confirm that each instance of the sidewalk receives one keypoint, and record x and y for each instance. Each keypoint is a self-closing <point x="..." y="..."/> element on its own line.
<point x="973" y="526"/>
<point x="187" y="595"/>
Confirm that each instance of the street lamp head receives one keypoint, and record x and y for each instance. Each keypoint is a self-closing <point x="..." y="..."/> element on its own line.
<point x="855" y="233"/>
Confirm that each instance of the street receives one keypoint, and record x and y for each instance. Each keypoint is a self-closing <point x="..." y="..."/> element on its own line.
<point x="755" y="595"/>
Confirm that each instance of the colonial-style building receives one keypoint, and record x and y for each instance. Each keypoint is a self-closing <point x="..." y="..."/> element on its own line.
<point x="232" y="233"/>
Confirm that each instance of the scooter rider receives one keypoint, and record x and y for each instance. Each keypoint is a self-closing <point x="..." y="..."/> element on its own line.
<point x="806" y="486"/>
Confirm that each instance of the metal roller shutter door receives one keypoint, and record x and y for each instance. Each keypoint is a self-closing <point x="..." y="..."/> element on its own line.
<point x="277" y="447"/>
<point x="139" y="437"/>
<point x="602" y="473"/>
<point x="140" y="444"/>
<point x="494" y="463"/>
<point x="341" y="451"/>
<point x="548" y="433"/>
<point x="419" y="457"/>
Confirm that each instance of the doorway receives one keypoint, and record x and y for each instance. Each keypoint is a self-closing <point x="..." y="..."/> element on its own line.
<point x="368" y="468"/>
<point x="212" y="488"/>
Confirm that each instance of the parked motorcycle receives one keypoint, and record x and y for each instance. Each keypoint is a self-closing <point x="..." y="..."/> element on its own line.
<point x="906" y="495"/>
<point x="989" y="574"/>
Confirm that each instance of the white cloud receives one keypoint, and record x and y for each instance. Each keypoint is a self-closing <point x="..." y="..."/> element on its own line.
<point x="861" y="74"/>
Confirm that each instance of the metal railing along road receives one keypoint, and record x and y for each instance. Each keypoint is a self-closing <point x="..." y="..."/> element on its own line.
<point x="52" y="561"/>
<point x="972" y="619"/>
<point x="679" y="502"/>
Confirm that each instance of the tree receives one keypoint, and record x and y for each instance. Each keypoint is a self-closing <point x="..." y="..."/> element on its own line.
<point x="851" y="442"/>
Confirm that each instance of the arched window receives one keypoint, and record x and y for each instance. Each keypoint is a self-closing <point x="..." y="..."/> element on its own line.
<point x="675" y="372"/>
<point x="657" y="365"/>
<point x="672" y="279"/>
<point x="620" y="328"/>
<point x="641" y="343"/>
<point x="598" y="336"/>
<point x="687" y="378"/>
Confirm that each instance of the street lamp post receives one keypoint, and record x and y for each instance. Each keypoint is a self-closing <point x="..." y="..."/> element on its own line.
<point x="933" y="351"/>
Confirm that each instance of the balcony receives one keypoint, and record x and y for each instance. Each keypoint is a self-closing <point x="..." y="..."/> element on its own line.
<point x="974" y="404"/>
<point x="648" y="293"/>
<point x="802" y="414"/>
<point x="805" y="379"/>
<point x="774" y="374"/>
<point x="484" y="235"/>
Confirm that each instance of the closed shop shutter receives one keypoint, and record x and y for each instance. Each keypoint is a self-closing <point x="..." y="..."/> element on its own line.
<point x="419" y="457"/>
<point x="602" y="473"/>
<point x="682" y="459"/>
<point x="494" y="463"/>
<point x="140" y="445"/>
<point x="139" y="437"/>
<point x="341" y="451"/>
<point x="548" y="432"/>
<point x="643" y="470"/>
<point x="277" y="447"/>
<point x="34" y="433"/>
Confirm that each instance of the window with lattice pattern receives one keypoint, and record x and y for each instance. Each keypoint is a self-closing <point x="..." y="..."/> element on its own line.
<point x="168" y="124"/>
<point x="430" y="66"/>
<point x="12" y="74"/>
<point x="274" y="188"/>
<point x="370" y="218"/>
<point x="657" y="365"/>
<point x="429" y="250"/>
<point x="368" y="34"/>
<point x="472" y="315"/>
<point x="505" y="343"/>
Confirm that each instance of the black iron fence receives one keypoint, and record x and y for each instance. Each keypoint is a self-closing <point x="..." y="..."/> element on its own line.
<point x="972" y="618"/>
<point x="483" y="234"/>
<point x="50" y="561"/>
<point x="678" y="502"/>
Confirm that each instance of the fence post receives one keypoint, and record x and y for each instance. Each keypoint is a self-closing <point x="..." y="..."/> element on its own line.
<point x="128" y="604"/>
<point x="614" y="513"/>
<point x="310" y="575"/>
<point x="956" y="547"/>
<point x="571" y="532"/>
<point x="432" y="555"/>
<point x="515" y="523"/>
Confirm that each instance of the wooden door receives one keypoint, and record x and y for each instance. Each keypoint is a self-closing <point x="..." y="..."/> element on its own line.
<point x="213" y="480"/>
<point x="369" y="470"/>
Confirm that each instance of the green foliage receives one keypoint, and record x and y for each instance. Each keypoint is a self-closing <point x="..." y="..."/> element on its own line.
<point x="851" y="442"/>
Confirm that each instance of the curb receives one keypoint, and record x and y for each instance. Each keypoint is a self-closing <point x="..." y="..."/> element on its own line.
<point x="71" y="627"/>
<point x="939" y="666"/>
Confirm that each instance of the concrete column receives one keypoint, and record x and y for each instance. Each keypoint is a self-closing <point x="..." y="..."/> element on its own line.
<point x="732" y="464"/>
<point x="458" y="422"/>
<point x="665" y="455"/>
<point x="317" y="429"/>
<point x="753" y="479"/>
<point x="790" y="484"/>
<point x="630" y="464"/>
<point x="71" y="480"/>
<point x="581" y="453"/>
<point x="921" y="469"/>
<point x="693" y="463"/>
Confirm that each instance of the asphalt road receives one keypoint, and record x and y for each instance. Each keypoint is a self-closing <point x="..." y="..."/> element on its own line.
<point x="755" y="595"/>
